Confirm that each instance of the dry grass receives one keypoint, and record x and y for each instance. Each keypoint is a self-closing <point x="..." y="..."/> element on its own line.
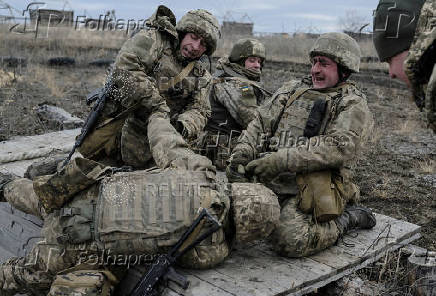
<point x="426" y="166"/>
<point x="83" y="43"/>
<point x="408" y="127"/>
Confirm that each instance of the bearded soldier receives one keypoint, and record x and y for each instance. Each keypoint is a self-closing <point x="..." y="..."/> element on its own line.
<point x="303" y="144"/>
<point x="404" y="35"/>
<point x="235" y="95"/>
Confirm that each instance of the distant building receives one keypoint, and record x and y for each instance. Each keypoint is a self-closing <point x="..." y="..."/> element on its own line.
<point x="52" y="16"/>
<point x="236" y="29"/>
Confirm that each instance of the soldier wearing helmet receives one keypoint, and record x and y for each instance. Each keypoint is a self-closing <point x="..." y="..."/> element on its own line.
<point x="303" y="144"/>
<point x="159" y="73"/>
<point x="404" y="36"/>
<point x="235" y="95"/>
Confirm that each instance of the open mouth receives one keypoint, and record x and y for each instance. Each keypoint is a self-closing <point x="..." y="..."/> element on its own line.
<point x="318" y="79"/>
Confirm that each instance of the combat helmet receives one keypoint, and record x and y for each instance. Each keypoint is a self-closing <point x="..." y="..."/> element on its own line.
<point x="394" y="26"/>
<point x="202" y="23"/>
<point x="340" y="47"/>
<point x="247" y="47"/>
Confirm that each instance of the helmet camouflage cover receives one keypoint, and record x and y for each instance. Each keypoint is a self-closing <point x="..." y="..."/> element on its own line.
<point x="394" y="26"/>
<point x="247" y="47"/>
<point x="340" y="47"/>
<point x="202" y="23"/>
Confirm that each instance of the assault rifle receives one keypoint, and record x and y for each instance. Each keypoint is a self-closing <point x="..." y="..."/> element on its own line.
<point x="99" y="96"/>
<point x="162" y="267"/>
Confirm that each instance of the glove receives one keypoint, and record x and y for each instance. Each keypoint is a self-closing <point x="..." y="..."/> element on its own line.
<point x="235" y="169"/>
<point x="268" y="167"/>
<point x="236" y="174"/>
<point x="183" y="129"/>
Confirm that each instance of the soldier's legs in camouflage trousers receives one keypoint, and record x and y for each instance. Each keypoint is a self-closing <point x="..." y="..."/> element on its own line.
<point x="20" y="194"/>
<point x="35" y="272"/>
<point x="297" y="235"/>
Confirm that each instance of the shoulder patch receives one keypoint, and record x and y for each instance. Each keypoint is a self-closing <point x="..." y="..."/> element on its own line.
<point x="244" y="88"/>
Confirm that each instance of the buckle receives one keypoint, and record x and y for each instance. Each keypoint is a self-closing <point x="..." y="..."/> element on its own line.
<point x="68" y="212"/>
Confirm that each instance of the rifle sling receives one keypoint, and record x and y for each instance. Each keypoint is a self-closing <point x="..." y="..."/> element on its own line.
<point x="175" y="80"/>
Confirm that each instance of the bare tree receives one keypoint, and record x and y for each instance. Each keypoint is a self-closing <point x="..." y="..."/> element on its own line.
<point x="354" y="22"/>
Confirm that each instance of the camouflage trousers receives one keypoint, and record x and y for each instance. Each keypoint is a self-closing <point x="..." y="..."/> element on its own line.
<point x="298" y="235"/>
<point x="20" y="194"/>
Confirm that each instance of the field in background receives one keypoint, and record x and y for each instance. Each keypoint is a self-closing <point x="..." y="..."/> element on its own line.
<point x="85" y="44"/>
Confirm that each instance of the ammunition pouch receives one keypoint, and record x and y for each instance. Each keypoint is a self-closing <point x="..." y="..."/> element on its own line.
<point x="77" y="222"/>
<point x="84" y="282"/>
<point x="321" y="194"/>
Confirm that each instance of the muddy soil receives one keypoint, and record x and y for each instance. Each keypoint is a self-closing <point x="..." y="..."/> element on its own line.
<point x="396" y="173"/>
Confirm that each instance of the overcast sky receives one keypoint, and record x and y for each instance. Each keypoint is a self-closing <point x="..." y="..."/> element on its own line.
<point x="267" y="16"/>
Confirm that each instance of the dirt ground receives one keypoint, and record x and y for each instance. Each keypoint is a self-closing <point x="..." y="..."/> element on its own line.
<point x="396" y="173"/>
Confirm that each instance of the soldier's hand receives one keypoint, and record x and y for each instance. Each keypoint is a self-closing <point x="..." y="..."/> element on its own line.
<point x="236" y="174"/>
<point x="235" y="169"/>
<point x="184" y="130"/>
<point x="268" y="167"/>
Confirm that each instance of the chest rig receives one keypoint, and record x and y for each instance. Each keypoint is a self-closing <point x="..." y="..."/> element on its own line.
<point x="305" y="115"/>
<point x="178" y="94"/>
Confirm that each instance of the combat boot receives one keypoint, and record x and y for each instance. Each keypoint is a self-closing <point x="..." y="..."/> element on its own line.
<point x="5" y="178"/>
<point x="355" y="217"/>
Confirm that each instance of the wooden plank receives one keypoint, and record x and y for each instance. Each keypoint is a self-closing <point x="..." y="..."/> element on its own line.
<point x="384" y="235"/>
<point x="22" y="148"/>
<point x="196" y="287"/>
<point x="305" y="263"/>
<point x="18" y="232"/>
<point x="345" y="272"/>
<point x="254" y="269"/>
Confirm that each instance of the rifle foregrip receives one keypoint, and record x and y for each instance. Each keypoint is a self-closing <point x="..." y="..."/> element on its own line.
<point x="146" y="286"/>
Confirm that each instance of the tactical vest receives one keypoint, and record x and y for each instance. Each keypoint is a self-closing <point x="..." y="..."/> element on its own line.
<point x="137" y="211"/>
<point x="221" y="120"/>
<point x="305" y="115"/>
<point x="180" y="95"/>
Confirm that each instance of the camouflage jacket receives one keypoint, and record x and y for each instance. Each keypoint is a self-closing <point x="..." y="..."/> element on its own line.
<point x="141" y="77"/>
<point x="234" y="98"/>
<point x="280" y="122"/>
<point x="420" y="64"/>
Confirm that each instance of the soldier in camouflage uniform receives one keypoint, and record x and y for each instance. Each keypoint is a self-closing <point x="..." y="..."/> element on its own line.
<point x="157" y="78"/>
<point x="158" y="73"/>
<point x="309" y="126"/>
<point x="235" y="95"/>
<point x="108" y="226"/>
<point x="404" y="37"/>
